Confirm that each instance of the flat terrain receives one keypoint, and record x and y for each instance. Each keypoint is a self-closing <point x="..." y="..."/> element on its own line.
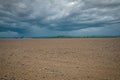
<point x="60" y="59"/>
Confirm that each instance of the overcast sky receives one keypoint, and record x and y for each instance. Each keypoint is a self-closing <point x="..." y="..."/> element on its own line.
<point x="36" y="18"/>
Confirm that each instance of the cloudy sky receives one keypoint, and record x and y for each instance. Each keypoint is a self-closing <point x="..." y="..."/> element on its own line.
<point x="37" y="18"/>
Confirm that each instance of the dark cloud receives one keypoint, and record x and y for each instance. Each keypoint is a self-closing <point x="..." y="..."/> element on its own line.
<point x="64" y="15"/>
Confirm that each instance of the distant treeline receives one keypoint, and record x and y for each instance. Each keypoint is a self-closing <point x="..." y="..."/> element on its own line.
<point x="85" y="37"/>
<point x="64" y="37"/>
<point x="80" y="37"/>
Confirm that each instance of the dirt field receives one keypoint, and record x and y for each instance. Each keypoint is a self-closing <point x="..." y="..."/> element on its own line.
<point x="60" y="59"/>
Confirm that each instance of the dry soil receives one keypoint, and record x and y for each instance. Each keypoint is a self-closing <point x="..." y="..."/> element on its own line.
<point x="60" y="59"/>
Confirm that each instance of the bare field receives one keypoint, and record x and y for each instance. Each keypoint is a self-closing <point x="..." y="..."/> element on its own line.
<point x="60" y="59"/>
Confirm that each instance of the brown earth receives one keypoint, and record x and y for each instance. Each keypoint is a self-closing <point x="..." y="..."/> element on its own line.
<point x="60" y="59"/>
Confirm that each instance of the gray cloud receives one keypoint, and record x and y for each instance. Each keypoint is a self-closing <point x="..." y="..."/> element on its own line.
<point x="9" y="34"/>
<point x="63" y="15"/>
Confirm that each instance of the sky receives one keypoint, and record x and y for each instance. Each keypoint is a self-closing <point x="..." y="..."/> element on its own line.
<point x="39" y="18"/>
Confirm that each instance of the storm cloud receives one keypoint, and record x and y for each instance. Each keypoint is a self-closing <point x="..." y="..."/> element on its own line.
<point x="58" y="16"/>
